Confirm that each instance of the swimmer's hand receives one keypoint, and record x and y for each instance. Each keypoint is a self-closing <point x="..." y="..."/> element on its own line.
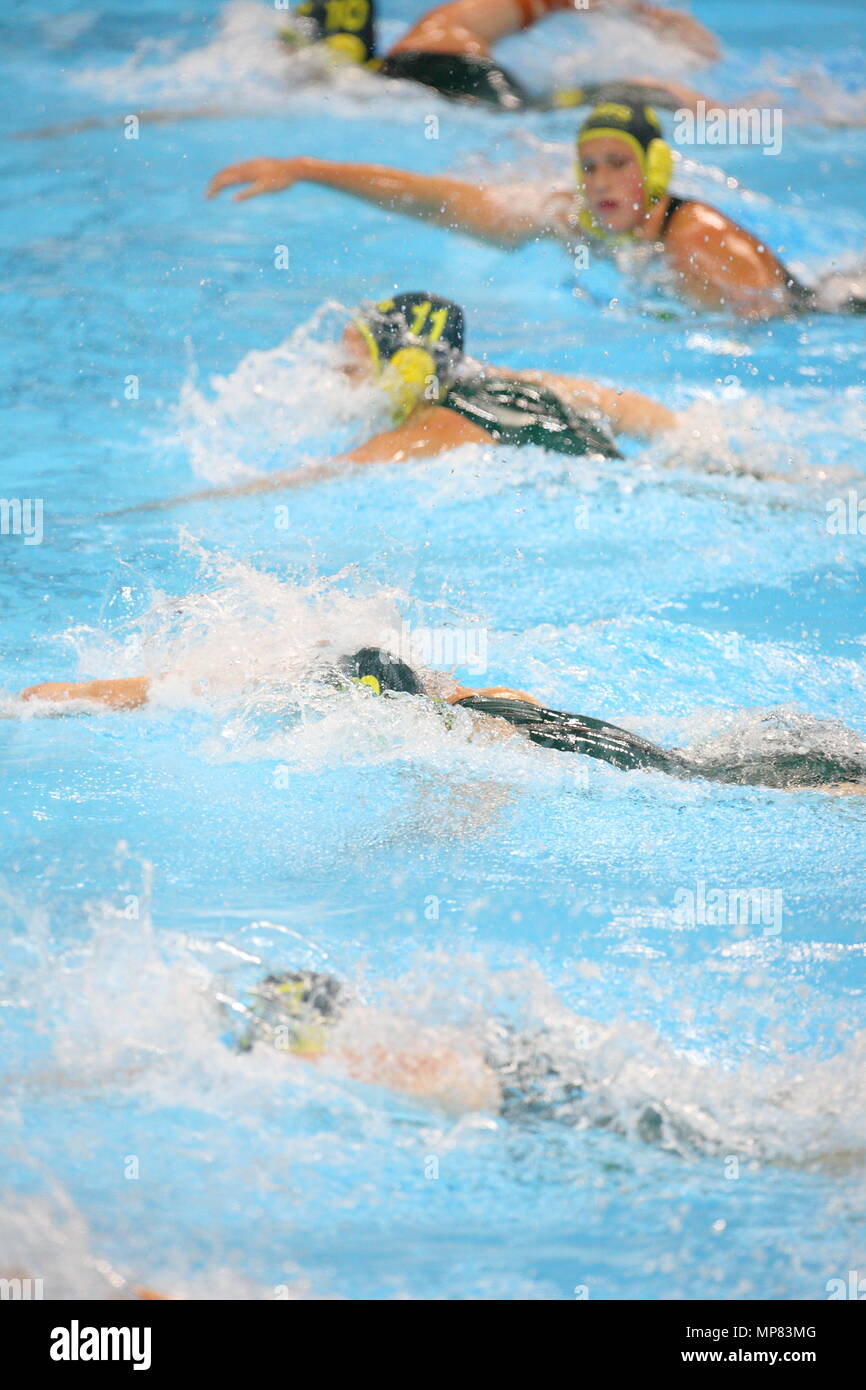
<point x="684" y="28"/>
<point x="493" y="213"/>
<point x="263" y="176"/>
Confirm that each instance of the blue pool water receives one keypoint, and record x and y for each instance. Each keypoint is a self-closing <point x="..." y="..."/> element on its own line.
<point x="155" y="862"/>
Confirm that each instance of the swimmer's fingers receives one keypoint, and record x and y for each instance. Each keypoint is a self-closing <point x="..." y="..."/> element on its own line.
<point x="248" y="172"/>
<point x="695" y="36"/>
<point x="265" y="175"/>
<point x="273" y="185"/>
<point x="682" y="27"/>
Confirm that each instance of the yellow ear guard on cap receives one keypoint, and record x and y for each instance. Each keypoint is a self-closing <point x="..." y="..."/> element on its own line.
<point x="407" y="377"/>
<point x="371" y="681"/>
<point x="348" y="47"/>
<point x="305" y="1039"/>
<point x="415" y="341"/>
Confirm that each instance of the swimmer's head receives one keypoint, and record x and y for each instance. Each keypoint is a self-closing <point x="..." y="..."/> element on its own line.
<point x="373" y="667"/>
<point x="624" y="166"/>
<point x="412" y="344"/>
<point x="294" y="1010"/>
<point x="347" y="28"/>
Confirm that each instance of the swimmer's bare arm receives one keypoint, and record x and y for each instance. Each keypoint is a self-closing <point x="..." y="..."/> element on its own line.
<point x="429" y="431"/>
<point x="628" y="411"/>
<point x="721" y="265"/>
<point x="505" y="217"/>
<point x="474" y="26"/>
<point x="459" y="1081"/>
<point x="126" y="693"/>
<point x="501" y="692"/>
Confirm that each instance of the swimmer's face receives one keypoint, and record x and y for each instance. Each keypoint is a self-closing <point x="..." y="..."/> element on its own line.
<point x="613" y="182"/>
<point x="357" y="363"/>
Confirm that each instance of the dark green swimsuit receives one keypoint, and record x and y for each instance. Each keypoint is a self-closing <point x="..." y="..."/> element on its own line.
<point x="578" y="733"/>
<point x="460" y="76"/>
<point x="465" y="77"/>
<point x="518" y="412"/>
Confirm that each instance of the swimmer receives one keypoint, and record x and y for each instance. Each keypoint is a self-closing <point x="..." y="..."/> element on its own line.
<point x="449" y="49"/>
<point x="559" y="1069"/>
<point x="412" y="347"/>
<point x="501" y="710"/>
<point x="309" y="1015"/>
<point x="623" y="172"/>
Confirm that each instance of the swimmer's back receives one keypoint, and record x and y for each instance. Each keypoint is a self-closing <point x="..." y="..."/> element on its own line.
<point x="515" y="411"/>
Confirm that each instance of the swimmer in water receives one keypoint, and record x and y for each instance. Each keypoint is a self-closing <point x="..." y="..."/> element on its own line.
<point x="312" y="1016"/>
<point x="561" y="1068"/>
<point x="412" y="347"/>
<point x="449" y="49"/>
<point x="623" y="171"/>
<point x="504" y="711"/>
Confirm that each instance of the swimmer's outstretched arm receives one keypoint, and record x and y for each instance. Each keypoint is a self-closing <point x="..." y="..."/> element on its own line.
<point x="476" y="25"/>
<point x="431" y="430"/>
<point x="125" y="693"/>
<point x="156" y="116"/>
<point x="434" y="1070"/>
<point x="505" y="217"/>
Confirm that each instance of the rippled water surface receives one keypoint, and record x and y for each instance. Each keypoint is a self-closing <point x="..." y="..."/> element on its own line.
<point x="157" y="863"/>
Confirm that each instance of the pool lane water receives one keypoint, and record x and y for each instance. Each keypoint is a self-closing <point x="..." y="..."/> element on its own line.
<point x="693" y="591"/>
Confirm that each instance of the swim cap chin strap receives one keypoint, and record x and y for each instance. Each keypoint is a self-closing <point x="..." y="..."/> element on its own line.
<point x="654" y="158"/>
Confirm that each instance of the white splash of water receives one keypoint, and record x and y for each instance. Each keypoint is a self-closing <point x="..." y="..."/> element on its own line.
<point x="278" y="406"/>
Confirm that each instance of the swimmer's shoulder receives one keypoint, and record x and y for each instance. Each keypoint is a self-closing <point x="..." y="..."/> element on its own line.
<point x="697" y="226"/>
<point x="444" y="426"/>
<point x="688" y="219"/>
